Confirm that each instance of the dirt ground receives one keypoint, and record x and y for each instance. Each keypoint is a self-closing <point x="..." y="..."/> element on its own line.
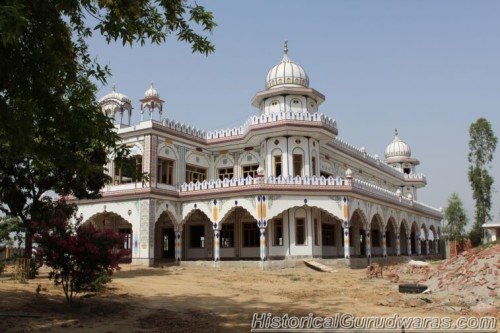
<point x="208" y="299"/>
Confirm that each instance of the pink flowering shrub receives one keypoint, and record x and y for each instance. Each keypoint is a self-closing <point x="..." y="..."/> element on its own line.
<point x="79" y="255"/>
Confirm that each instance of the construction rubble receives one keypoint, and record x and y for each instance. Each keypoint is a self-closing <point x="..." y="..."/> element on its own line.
<point x="473" y="274"/>
<point x="466" y="282"/>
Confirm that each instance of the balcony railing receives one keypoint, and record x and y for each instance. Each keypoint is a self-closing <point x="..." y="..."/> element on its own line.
<point x="373" y="160"/>
<point x="253" y="121"/>
<point x="262" y="183"/>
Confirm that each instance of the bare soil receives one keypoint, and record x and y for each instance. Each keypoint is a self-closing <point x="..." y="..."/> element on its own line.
<point x="208" y="299"/>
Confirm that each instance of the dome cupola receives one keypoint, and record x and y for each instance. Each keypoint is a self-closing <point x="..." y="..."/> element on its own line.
<point x="287" y="73"/>
<point x="151" y="92"/>
<point x="116" y="99"/>
<point x="152" y="102"/>
<point x="114" y="104"/>
<point x="397" y="148"/>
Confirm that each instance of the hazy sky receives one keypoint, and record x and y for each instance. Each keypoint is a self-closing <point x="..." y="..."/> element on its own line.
<point x="428" y="68"/>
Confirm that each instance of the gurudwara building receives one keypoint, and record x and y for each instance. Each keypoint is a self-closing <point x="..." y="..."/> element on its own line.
<point x="281" y="186"/>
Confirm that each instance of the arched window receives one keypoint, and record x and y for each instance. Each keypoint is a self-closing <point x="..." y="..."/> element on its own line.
<point x="298" y="162"/>
<point x="277" y="163"/>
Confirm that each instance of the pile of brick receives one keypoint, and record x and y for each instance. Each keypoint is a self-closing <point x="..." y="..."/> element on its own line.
<point x="473" y="274"/>
<point x="412" y="268"/>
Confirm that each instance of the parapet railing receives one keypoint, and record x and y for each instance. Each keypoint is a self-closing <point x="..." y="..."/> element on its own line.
<point x="243" y="129"/>
<point x="238" y="182"/>
<point x="373" y="160"/>
<point x="359" y="185"/>
<point x="340" y="183"/>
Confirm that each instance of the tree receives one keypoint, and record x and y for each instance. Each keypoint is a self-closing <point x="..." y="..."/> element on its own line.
<point x="80" y="256"/>
<point x="482" y="145"/>
<point x="52" y="135"/>
<point x="456" y="219"/>
<point x="8" y="226"/>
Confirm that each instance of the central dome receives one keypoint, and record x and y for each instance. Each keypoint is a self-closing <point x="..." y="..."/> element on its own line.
<point x="397" y="148"/>
<point x="287" y="73"/>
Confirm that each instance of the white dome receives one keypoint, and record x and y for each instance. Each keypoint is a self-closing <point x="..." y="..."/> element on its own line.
<point x="151" y="92"/>
<point x="116" y="97"/>
<point x="348" y="173"/>
<point x="287" y="72"/>
<point x="397" y="148"/>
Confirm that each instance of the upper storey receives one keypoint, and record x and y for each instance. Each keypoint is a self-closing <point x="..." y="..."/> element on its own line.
<point x="287" y="89"/>
<point x="289" y="118"/>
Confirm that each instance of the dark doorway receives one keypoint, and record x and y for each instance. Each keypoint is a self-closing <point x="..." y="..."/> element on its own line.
<point x="413" y="243"/>
<point x="168" y="243"/>
<point x="362" y="242"/>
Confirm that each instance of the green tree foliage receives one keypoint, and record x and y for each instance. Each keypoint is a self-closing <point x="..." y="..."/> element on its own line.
<point x="456" y="218"/>
<point x="482" y="145"/>
<point x="10" y="231"/>
<point x="52" y="135"/>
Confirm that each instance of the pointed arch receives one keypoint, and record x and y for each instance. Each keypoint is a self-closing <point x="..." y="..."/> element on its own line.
<point x="189" y="208"/>
<point x="229" y="205"/>
<point x="391" y="236"/>
<point x="112" y="221"/>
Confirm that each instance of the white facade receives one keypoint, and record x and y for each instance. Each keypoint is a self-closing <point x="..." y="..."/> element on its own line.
<point x="280" y="186"/>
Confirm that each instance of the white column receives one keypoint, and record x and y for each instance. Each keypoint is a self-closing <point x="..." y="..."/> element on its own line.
<point x="398" y="245"/>
<point x="408" y="245"/>
<point x="384" y="243"/>
<point x="427" y="246"/>
<point x="178" y="243"/>
<point x="216" y="244"/>
<point x="345" y="225"/>
<point x="436" y="245"/>
<point x="263" y="250"/>
<point x="368" y="243"/>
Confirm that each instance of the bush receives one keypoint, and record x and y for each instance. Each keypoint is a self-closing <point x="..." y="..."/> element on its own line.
<point x="475" y="236"/>
<point x="81" y="258"/>
<point x="100" y="282"/>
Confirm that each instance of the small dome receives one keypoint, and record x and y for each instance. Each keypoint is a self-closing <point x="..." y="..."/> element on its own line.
<point x="397" y="148"/>
<point x="116" y="97"/>
<point x="287" y="73"/>
<point x="348" y="173"/>
<point x="151" y="92"/>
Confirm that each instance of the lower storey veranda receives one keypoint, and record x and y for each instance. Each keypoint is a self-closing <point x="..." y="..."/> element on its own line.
<point x="264" y="227"/>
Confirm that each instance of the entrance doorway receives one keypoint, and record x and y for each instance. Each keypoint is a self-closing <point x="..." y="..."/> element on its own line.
<point x="362" y="242"/>
<point x="168" y="243"/>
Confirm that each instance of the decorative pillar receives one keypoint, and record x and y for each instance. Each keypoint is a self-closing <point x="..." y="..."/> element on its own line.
<point x="178" y="243"/>
<point x="149" y="159"/>
<point x="216" y="243"/>
<point x="427" y="246"/>
<point x="217" y="227"/>
<point x="263" y="249"/>
<point x="408" y="245"/>
<point x="236" y="167"/>
<point x="345" y="210"/>
<point x="143" y="253"/>
<point x="368" y="244"/>
<point x="419" y="246"/>
<point x="436" y="245"/>
<point x="398" y="246"/>
<point x="262" y="224"/>
<point x="384" y="243"/>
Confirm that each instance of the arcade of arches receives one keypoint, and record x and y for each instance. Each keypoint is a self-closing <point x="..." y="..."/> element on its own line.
<point x="294" y="233"/>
